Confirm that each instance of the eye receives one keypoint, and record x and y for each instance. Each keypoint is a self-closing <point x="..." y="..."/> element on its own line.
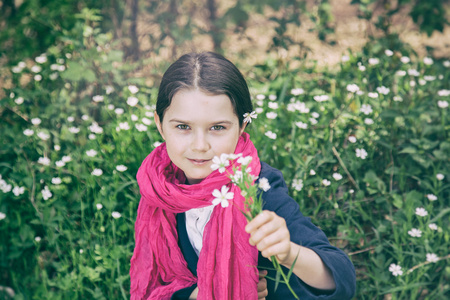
<point x="183" y="126"/>
<point x="217" y="127"/>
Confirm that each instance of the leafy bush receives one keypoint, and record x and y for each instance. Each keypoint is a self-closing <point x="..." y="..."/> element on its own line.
<point x="365" y="151"/>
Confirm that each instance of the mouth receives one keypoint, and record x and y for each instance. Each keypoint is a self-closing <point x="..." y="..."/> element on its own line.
<point x="199" y="161"/>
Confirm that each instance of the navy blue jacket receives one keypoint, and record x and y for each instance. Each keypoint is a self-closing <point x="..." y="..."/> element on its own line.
<point x="302" y="232"/>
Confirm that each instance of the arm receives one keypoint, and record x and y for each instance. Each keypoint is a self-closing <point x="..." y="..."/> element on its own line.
<point x="269" y="233"/>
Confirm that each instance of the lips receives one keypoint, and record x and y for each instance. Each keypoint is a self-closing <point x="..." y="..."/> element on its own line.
<point x="199" y="161"/>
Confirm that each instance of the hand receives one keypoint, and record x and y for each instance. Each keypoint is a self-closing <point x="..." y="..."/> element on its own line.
<point x="269" y="233"/>
<point x="262" y="285"/>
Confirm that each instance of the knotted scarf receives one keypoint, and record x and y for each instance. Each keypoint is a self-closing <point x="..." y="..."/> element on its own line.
<point x="226" y="266"/>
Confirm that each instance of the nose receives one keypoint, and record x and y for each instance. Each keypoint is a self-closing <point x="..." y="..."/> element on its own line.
<point x="200" y="142"/>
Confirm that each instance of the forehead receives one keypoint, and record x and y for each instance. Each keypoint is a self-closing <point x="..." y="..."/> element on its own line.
<point x="196" y="104"/>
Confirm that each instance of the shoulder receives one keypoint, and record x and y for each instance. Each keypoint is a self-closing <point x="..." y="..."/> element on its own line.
<point x="274" y="176"/>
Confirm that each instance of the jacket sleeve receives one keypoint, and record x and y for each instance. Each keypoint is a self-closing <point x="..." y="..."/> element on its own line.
<point x="306" y="234"/>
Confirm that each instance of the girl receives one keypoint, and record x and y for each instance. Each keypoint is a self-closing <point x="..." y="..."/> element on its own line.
<point x="186" y="248"/>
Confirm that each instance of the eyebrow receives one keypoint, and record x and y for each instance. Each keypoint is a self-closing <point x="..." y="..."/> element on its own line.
<point x="187" y="122"/>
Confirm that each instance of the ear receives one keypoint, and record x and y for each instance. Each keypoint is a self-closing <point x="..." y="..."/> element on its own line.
<point x="158" y="124"/>
<point x="241" y="130"/>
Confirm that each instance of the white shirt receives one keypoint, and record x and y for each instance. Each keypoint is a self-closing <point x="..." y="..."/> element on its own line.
<point x="196" y="220"/>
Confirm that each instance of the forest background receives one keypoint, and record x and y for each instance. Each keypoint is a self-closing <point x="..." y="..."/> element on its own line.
<point x="352" y="101"/>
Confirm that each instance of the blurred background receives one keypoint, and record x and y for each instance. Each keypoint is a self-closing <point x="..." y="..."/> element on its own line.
<point x="352" y="102"/>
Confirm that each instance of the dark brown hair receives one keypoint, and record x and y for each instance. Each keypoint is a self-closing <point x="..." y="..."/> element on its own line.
<point x="209" y="72"/>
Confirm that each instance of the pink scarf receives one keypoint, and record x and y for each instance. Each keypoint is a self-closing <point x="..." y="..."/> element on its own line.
<point x="226" y="266"/>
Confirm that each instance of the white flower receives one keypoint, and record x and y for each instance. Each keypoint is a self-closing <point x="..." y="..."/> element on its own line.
<point x="273" y="105"/>
<point x="110" y="106"/>
<point x="326" y="182"/>
<point x="91" y="153"/>
<point x="98" y="98"/>
<point x="315" y="115"/>
<point x="368" y="121"/>
<point x="414" y="232"/>
<point x="124" y="126"/>
<point x="259" y="110"/>
<point x="109" y="89"/>
<point x="46" y="193"/>
<point x="141" y="127"/>
<point x="271" y="135"/>
<point x="222" y="196"/>
<point x="361" y="67"/>
<point x="429" y="78"/>
<point x="156" y="144"/>
<point x="345" y="58"/>
<point x="146" y="121"/>
<point x="312" y="172"/>
<point x="431" y="197"/>
<point x="97" y="172"/>
<point x="66" y="158"/>
<point x="420" y="211"/>
<point x="432" y="257"/>
<point x="70" y="119"/>
<point x="398" y="99"/>
<point x="94" y="128"/>
<point x="433" y="226"/>
<point x="442" y="104"/>
<point x="361" y="153"/>
<point x="41" y="58"/>
<point x="121" y="168"/>
<point x="428" y="61"/>
<point x="440" y="176"/>
<point x="18" y="190"/>
<point x="36" y="121"/>
<point x="271" y="115"/>
<point x="2" y="215"/>
<point x="313" y="121"/>
<point x="99" y="206"/>
<point x="116" y="214"/>
<point x="388" y="52"/>
<point x="74" y="129"/>
<point x="337" y="176"/>
<point x="44" y="161"/>
<point x="38" y="77"/>
<point x="6" y="188"/>
<point x="244" y="160"/>
<point x="133" y="89"/>
<point x="56" y="180"/>
<point x="447" y="63"/>
<point x="260" y="97"/>
<point x="405" y="59"/>
<point x="132" y="101"/>
<point x="352" y="139"/>
<point x="297" y="184"/>
<point x="43" y="135"/>
<point x="297" y="91"/>
<point x="264" y="184"/>
<point x="353" y="88"/>
<point x="36" y="69"/>
<point x="422" y="81"/>
<point x="60" y="163"/>
<point x="396" y="270"/>
<point x="272" y="97"/>
<point x="81" y="251"/>
<point x="91" y="136"/>
<point x="301" y="125"/>
<point x="19" y="100"/>
<point x="400" y="73"/>
<point x="321" y="98"/>
<point x="383" y="90"/>
<point x="249" y="116"/>
<point x="28" y="132"/>
<point x="119" y="111"/>
<point x="413" y="72"/>
<point x="37" y="239"/>
<point x="374" y="61"/>
<point x="366" y="109"/>
<point x="372" y="95"/>
<point x="220" y="163"/>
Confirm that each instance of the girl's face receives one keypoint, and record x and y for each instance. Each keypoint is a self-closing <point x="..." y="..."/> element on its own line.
<point x="196" y="127"/>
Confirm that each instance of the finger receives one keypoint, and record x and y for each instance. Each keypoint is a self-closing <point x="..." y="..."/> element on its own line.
<point x="280" y="250"/>
<point x="262" y="285"/>
<point x="259" y="220"/>
<point x="274" y="238"/>
<point x="263" y="273"/>
<point x="276" y="225"/>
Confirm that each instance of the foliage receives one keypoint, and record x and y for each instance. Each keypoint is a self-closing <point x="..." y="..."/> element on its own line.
<point x="76" y="124"/>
